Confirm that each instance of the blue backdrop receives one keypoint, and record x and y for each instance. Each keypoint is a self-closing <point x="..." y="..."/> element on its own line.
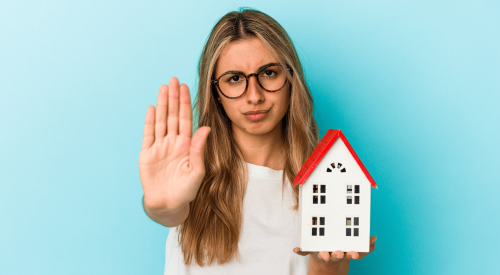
<point x="414" y="85"/>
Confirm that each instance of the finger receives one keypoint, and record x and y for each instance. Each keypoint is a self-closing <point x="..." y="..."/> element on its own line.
<point x="148" y="137"/>
<point x="185" y="112"/>
<point x="351" y="255"/>
<point x="173" y="107"/>
<point x="336" y="255"/>
<point x="324" y="255"/>
<point x="301" y="253"/>
<point x="161" y="112"/>
<point x="372" y="247"/>
<point x="197" y="144"/>
<point x="363" y="254"/>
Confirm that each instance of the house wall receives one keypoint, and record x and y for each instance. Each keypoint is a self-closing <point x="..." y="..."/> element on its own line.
<point x="336" y="209"/>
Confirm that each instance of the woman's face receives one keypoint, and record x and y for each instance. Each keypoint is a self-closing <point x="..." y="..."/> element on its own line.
<point x="257" y="111"/>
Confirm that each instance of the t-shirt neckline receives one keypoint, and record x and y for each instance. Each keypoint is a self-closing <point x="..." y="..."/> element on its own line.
<point x="264" y="171"/>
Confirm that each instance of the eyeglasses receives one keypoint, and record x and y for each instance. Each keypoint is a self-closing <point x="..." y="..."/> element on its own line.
<point x="233" y="84"/>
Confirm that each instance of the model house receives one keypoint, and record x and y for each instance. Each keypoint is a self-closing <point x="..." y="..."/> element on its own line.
<point x="334" y="198"/>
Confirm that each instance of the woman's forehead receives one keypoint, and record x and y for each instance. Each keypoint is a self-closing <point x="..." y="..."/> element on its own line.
<point x="244" y="55"/>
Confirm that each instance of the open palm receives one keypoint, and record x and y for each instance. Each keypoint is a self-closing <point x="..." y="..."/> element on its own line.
<point x="171" y="165"/>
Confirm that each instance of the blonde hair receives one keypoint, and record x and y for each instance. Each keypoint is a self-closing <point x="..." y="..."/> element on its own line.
<point x="212" y="229"/>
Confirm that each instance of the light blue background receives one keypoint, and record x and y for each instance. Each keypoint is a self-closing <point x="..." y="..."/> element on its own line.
<point x="414" y="85"/>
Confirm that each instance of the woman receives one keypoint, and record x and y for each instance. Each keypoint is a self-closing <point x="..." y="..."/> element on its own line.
<point x="228" y="188"/>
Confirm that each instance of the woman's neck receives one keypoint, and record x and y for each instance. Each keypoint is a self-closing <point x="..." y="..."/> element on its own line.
<point x="264" y="150"/>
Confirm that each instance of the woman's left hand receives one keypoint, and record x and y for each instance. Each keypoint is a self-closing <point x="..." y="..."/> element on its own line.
<point x="325" y="262"/>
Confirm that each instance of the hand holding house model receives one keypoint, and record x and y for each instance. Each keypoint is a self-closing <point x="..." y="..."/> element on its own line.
<point x="334" y="198"/>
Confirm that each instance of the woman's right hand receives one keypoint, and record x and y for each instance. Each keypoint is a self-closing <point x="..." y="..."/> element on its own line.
<point x="171" y="164"/>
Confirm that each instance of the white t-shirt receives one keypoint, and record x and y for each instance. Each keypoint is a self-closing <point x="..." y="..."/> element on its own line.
<point x="269" y="233"/>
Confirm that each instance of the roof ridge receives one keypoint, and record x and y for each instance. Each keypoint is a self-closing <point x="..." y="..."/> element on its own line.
<point x="319" y="152"/>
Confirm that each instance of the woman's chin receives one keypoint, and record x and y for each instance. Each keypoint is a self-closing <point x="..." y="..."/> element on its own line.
<point x="258" y="128"/>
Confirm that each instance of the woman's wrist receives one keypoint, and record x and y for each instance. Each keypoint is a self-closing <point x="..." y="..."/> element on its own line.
<point x="170" y="219"/>
<point x="344" y="267"/>
<point x="326" y="268"/>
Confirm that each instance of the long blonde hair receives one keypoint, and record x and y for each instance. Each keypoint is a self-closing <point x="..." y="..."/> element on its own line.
<point x="212" y="229"/>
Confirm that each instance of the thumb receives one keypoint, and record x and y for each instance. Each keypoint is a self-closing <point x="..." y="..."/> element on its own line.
<point x="197" y="144"/>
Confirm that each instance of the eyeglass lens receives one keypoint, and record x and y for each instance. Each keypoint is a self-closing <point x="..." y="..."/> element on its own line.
<point x="271" y="78"/>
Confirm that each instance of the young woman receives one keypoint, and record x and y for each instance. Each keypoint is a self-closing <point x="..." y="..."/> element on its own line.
<point x="227" y="188"/>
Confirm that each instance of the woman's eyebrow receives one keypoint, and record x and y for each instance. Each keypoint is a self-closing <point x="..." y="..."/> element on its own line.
<point x="260" y="68"/>
<point x="263" y="66"/>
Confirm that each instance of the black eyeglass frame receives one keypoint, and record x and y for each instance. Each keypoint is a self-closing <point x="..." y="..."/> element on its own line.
<point x="216" y="81"/>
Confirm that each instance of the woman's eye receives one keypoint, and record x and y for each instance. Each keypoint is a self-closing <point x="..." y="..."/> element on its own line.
<point x="269" y="73"/>
<point x="234" y="79"/>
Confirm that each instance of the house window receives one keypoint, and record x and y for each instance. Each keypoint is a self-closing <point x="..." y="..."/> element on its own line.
<point x="336" y="166"/>
<point x="318" y="230"/>
<point x="352" y="226"/>
<point x="322" y="194"/>
<point x="349" y="197"/>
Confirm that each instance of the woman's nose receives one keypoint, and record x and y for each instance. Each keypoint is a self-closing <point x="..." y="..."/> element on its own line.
<point x="255" y="93"/>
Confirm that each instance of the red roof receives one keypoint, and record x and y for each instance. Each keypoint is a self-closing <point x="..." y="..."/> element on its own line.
<point x="320" y="151"/>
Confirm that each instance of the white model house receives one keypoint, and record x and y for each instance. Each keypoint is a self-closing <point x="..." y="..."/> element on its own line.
<point x="334" y="198"/>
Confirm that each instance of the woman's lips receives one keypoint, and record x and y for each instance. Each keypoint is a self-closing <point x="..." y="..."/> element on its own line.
<point x="256" y="117"/>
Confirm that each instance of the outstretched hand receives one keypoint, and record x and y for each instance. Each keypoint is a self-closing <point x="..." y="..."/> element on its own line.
<point x="326" y="261"/>
<point x="171" y="164"/>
